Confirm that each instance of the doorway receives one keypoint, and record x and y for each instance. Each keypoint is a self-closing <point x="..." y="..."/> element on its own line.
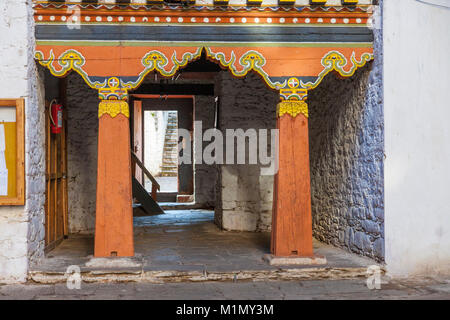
<point x="156" y="126"/>
<point x="56" y="195"/>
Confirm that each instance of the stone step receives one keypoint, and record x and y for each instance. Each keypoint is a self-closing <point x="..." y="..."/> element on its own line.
<point x="172" y="170"/>
<point x="169" y="174"/>
<point x="48" y="274"/>
<point x="168" y="164"/>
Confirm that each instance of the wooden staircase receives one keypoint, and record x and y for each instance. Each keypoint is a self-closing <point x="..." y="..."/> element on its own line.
<point x="146" y="201"/>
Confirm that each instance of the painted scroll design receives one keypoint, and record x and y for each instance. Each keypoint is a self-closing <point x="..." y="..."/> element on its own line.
<point x="72" y="60"/>
<point x="69" y="60"/>
<point x="157" y="61"/>
<point x="336" y="61"/>
<point x="251" y="60"/>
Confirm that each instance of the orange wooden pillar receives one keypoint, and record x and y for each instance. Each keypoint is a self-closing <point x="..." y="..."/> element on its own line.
<point x="114" y="216"/>
<point x="292" y="222"/>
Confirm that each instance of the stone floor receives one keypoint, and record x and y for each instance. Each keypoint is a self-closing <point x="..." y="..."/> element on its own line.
<point x="273" y="290"/>
<point x="189" y="241"/>
<point x="182" y="255"/>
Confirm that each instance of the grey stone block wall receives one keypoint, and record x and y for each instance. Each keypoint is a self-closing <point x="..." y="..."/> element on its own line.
<point x="244" y="196"/>
<point x="82" y="113"/>
<point x="35" y="163"/>
<point x="205" y="176"/>
<point x="346" y="128"/>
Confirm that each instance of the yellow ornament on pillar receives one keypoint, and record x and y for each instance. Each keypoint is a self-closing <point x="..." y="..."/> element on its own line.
<point x="293" y="108"/>
<point x="113" y="108"/>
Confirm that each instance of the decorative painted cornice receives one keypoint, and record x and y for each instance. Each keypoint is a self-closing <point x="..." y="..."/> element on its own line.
<point x="115" y="87"/>
<point x="157" y="61"/>
<point x="194" y="15"/>
<point x="249" y="61"/>
<point x="113" y="108"/>
<point x="336" y="61"/>
<point x="160" y="5"/>
<point x="70" y="60"/>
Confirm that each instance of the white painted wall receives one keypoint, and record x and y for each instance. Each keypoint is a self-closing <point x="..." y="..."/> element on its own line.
<point x="417" y="137"/>
<point x="155" y="124"/>
<point x="21" y="227"/>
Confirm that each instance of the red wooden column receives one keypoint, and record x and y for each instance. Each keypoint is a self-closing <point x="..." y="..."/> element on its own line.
<point x="114" y="216"/>
<point x="292" y="222"/>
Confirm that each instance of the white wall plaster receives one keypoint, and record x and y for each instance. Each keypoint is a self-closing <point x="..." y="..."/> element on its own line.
<point x="22" y="227"/>
<point x="417" y="171"/>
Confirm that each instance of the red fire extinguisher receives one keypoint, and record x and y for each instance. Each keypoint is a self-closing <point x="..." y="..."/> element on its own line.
<point x="56" y="117"/>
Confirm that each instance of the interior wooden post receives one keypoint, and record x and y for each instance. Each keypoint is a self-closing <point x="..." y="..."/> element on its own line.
<point x="292" y="222"/>
<point x="114" y="215"/>
<point x="137" y="138"/>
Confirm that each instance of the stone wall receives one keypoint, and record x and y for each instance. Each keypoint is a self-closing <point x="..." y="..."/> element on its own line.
<point x="244" y="196"/>
<point x="22" y="227"/>
<point x="82" y="108"/>
<point x="346" y="128"/>
<point x="205" y="176"/>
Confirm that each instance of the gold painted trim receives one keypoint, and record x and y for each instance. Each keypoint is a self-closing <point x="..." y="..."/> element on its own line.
<point x="113" y="108"/>
<point x="293" y="108"/>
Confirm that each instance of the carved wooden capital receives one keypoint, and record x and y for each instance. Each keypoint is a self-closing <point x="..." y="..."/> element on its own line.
<point x="293" y="108"/>
<point x="113" y="108"/>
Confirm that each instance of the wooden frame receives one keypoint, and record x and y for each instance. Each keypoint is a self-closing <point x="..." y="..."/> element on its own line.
<point x="19" y="198"/>
<point x="56" y="194"/>
<point x="186" y="186"/>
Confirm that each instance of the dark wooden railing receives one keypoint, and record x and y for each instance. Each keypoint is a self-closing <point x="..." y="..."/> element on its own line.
<point x="155" y="185"/>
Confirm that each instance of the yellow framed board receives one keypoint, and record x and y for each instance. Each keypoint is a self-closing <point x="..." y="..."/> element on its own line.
<point x="12" y="152"/>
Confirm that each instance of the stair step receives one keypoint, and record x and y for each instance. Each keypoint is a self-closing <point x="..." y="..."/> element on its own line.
<point x="169" y="166"/>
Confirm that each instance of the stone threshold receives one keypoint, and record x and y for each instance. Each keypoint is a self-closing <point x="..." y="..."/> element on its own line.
<point x="104" y="276"/>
